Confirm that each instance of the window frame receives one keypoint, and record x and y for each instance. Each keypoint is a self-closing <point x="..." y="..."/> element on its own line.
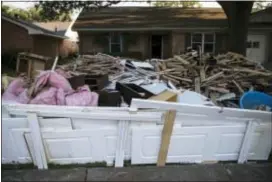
<point x="114" y="43"/>
<point x="203" y="40"/>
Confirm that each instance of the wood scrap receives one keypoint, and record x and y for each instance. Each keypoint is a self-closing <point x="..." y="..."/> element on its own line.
<point x="232" y="73"/>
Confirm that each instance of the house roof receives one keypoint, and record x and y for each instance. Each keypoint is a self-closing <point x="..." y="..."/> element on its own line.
<point x="263" y="16"/>
<point x="162" y="18"/>
<point x="31" y="27"/>
<point x="137" y="18"/>
<point x="58" y="27"/>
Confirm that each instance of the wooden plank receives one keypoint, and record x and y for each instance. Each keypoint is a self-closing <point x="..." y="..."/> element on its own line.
<point x="29" y="64"/>
<point x="166" y="137"/>
<point x="217" y="75"/>
<point x="18" y="64"/>
<point x="39" y="151"/>
<point x="165" y="96"/>
<point x="238" y="86"/>
<point x="197" y="85"/>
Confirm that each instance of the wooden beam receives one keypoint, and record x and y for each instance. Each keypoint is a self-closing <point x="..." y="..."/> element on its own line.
<point x="166" y="137"/>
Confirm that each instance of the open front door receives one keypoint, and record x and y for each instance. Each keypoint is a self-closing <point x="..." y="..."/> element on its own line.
<point x="156" y="46"/>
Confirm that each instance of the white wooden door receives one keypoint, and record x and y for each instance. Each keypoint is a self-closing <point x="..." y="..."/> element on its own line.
<point x="256" y="45"/>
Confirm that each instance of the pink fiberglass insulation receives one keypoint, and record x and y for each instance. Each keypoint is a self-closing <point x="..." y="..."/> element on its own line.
<point x="53" y="79"/>
<point x="16" y="86"/>
<point x="63" y="73"/>
<point x="47" y="96"/>
<point x="82" y="97"/>
<point x="16" y="92"/>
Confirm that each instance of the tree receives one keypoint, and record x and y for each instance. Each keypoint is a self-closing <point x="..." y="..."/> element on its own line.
<point x="33" y="14"/>
<point x="238" y="14"/>
<point x="184" y="4"/>
<point x="260" y="5"/>
<point x="52" y="9"/>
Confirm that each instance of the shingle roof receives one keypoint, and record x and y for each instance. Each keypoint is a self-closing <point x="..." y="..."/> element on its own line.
<point x="153" y="18"/>
<point x="150" y="17"/>
<point x="33" y="26"/>
<point x="60" y="26"/>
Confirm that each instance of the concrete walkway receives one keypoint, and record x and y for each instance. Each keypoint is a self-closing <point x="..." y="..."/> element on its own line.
<point x="201" y="172"/>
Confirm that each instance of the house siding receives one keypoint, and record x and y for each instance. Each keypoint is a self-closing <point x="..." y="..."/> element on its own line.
<point x="220" y="43"/>
<point x="15" y="38"/>
<point x="178" y="42"/>
<point x="87" y="43"/>
<point x="46" y="46"/>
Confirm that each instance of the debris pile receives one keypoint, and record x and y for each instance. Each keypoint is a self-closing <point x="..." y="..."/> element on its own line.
<point x="216" y="80"/>
<point x="216" y="76"/>
<point x="94" y="65"/>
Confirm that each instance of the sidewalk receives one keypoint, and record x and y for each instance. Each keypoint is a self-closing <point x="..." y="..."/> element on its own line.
<point x="201" y="172"/>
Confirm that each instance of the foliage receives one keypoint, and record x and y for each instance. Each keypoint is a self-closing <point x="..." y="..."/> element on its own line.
<point x="56" y="8"/>
<point x="184" y="3"/>
<point x="33" y="14"/>
<point x="260" y="5"/>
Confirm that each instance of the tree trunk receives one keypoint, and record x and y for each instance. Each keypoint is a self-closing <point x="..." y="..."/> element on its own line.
<point x="238" y="14"/>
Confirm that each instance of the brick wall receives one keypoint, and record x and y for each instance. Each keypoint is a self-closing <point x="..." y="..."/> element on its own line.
<point x="15" y="38"/>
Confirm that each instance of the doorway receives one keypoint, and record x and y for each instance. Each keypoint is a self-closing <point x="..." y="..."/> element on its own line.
<point x="156" y="46"/>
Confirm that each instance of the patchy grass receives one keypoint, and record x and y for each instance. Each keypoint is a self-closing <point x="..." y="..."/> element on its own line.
<point x="16" y="166"/>
<point x="68" y="166"/>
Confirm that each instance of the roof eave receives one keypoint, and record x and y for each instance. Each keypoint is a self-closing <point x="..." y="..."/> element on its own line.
<point x="146" y="29"/>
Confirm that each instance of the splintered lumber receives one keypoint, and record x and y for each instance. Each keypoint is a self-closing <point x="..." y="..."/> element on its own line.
<point x="218" y="75"/>
<point x="213" y="77"/>
<point x="94" y="64"/>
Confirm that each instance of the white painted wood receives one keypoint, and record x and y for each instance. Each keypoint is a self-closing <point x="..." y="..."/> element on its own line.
<point x="261" y="142"/>
<point x="188" y="144"/>
<point x="37" y="141"/>
<point x="123" y="131"/>
<point x="244" y="151"/>
<point x="14" y="148"/>
<point x="86" y="134"/>
<point x="99" y="115"/>
<point x="210" y="111"/>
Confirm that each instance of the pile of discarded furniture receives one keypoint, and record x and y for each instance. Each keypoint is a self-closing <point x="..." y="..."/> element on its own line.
<point x="104" y="80"/>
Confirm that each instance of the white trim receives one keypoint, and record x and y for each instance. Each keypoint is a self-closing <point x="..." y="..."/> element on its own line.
<point x="241" y="115"/>
<point x="36" y="136"/>
<point x="244" y="151"/>
<point x="203" y="40"/>
<point x="120" y="42"/>
<point x="123" y="131"/>
<point x="153" y="28"/>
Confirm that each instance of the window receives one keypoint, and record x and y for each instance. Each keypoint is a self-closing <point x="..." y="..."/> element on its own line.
<point x="256" y="44"/>
<point x="204" y="40"/>
<point x="115" y="43"/>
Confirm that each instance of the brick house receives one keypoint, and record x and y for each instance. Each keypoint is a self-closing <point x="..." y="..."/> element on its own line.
<point x="23" y="36"/>
<point x="160" y="32"/>
<point x="68" y="46"/>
